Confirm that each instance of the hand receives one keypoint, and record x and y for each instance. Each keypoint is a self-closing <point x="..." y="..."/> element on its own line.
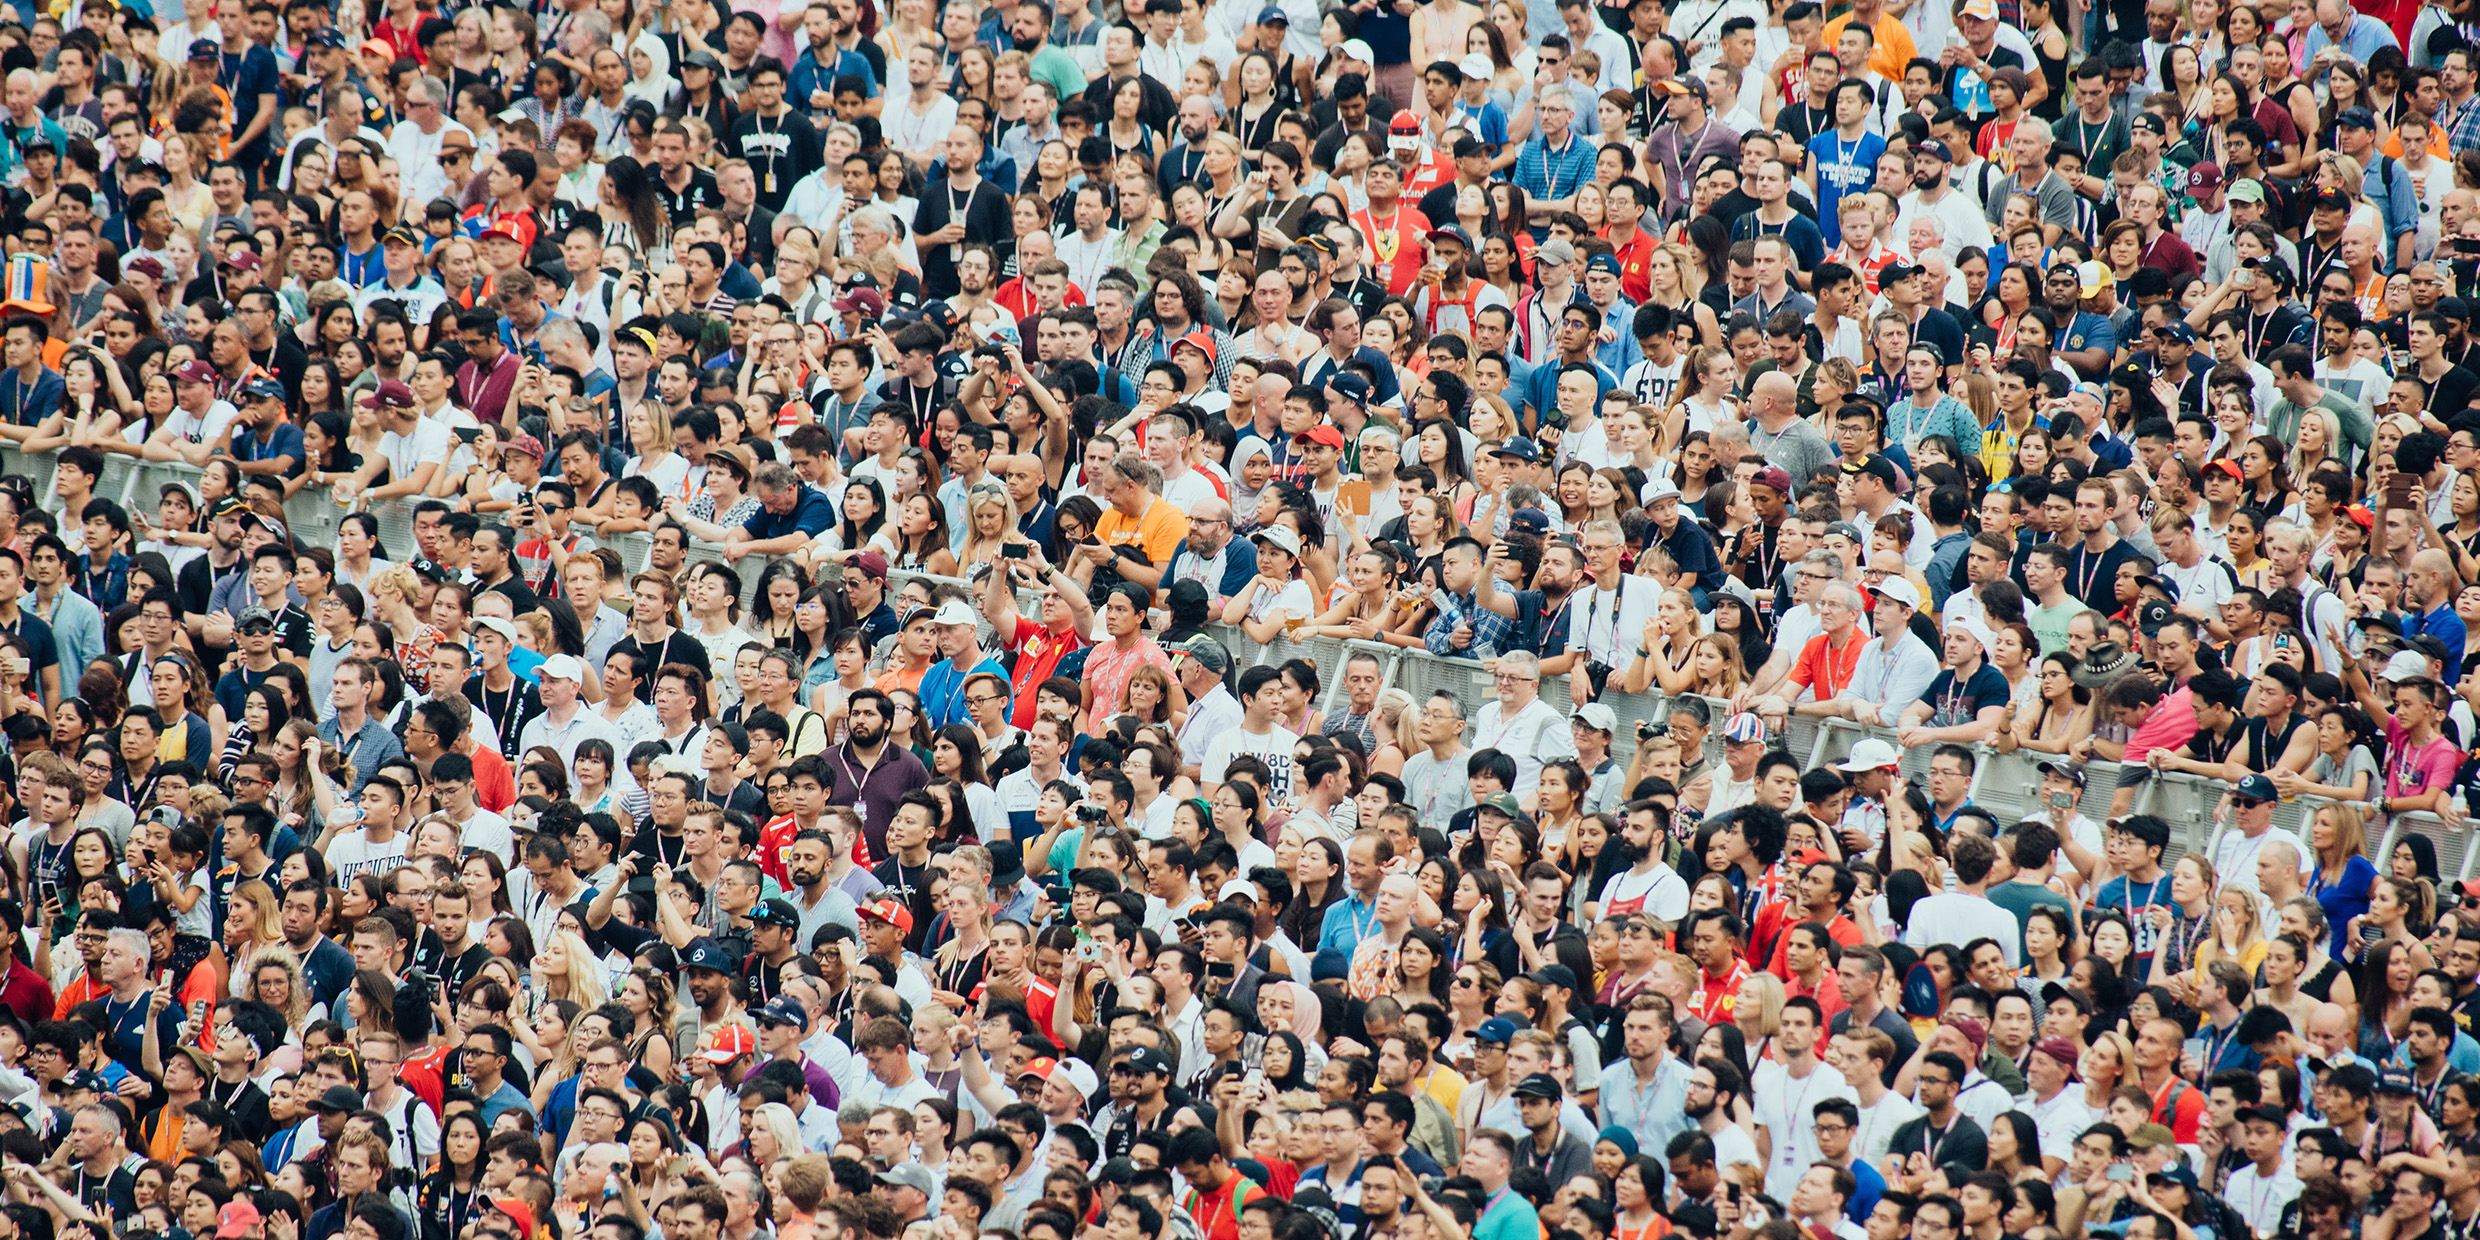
<point x="2160" y="917"/>
<point x="157" y="1001"/>
<point x="1462" y="637"/>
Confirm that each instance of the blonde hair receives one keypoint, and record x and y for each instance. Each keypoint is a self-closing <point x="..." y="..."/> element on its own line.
<point x="297" y="991"/>
<point x="2350" y="831"/>
<point x="583" y="984"/>
<point x="658" y="423"/>
<point x="400" y="578"/>
<point x="1691" y="270"/>
<point x="1768" y="991"/>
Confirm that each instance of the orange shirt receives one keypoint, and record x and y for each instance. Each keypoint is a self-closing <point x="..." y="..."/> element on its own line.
<point x="1155" y="535"/>
<point x="1826" y="670"/>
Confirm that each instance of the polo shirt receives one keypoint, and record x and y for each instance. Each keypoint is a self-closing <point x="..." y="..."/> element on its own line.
<point x="810" y="516"/>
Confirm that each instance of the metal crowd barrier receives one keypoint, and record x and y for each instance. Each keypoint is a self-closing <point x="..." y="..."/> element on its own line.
<point x="2005" y="784"/>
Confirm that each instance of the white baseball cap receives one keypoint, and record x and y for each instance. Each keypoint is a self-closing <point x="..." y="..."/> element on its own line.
<point x="564" y="667"/>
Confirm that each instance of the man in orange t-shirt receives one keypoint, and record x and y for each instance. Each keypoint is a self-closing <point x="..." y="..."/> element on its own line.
<point x="1138" y="531"/>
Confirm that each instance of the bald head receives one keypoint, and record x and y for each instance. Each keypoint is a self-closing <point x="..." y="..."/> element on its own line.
<point x="1209" y="525"/>
<point x="2433" y="576"/>
<point x="1774" y="396"/>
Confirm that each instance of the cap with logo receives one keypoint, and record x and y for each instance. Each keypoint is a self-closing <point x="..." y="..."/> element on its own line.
<point x="1209" y="652"/>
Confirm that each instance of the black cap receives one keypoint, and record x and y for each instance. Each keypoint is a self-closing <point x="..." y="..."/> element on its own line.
<point x="1540" y="1085"/>
<point x="1467" y="147"/>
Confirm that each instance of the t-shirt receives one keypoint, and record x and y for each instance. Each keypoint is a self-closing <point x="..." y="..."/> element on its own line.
<point x="1952" y="705"/>
<point x="1274" y="746"/>
<point x="407" y="453"/>
<point x="2411" y="770"/>
<point x="1037" y="651"/>
<point x="1155" y="535"/>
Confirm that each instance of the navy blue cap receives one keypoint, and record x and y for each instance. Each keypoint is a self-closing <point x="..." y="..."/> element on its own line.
<point x="1273" y="13"/>
<point x="705" y="953"/>
<point x="325" y="36"/>
<point x="263" y="388"/>
<point x="1606" y="263"/>
<point x="205" y="49"/>
<point x="1520" y="448"/>
<point x="1351" y="387"/>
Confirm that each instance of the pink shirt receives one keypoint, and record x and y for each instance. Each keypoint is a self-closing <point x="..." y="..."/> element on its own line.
<point x="2410" y="771"/>
<point x="2171" y="724"/>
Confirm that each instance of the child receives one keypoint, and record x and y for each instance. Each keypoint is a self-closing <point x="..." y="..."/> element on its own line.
<point x="172" y="861"/>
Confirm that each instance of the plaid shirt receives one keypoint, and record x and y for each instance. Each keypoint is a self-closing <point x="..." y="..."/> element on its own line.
<point x="2462" y="125"/>
<point x="1491" y="632"/>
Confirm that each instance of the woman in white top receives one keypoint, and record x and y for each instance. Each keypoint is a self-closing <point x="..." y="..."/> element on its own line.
<point x="1277" y="596"/>
<point x="650" y="432"/>
<point x="1708" y="401"/>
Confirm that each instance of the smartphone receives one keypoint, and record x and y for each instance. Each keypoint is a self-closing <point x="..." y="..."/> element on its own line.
<point x="2196" y="1047"/>
<point x="2398" y="488"/>
<point x="2062" y="800"/>
<point x="1014" y="551"/>
<point x="2121" y="1172"/>
<point x="468" y="434"/>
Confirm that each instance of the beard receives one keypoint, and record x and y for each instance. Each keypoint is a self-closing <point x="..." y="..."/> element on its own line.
<point x="1700" y="1112"/>
<point x="1026" y="45"/>
<point x="865" y="738"/>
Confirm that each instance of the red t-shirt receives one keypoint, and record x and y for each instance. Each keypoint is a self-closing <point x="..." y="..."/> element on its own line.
<point x="1398" y="247"/>
<point x="1038" y="651"/>
<point x="775" y="840"/>
<point x="1825" y="670"/>
<point x="1636" y="265"/>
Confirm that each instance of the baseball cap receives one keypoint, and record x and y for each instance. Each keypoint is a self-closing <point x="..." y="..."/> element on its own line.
<point x="339" y="1098"/>
<point x="2406" y="665"/>
<point x="785" y="1010"/>
<point x="1520" y="448"/>
<point x="954" y="611"/>
<point x="2062" y="1050"/>
<point x="1358" y="49"/>
<point x="2177" y="330"/>
<point x="254" y="617"/>
<point x="1689" y="84"/>
<point x="1403" y="124"/>
<point x="1454" y="233"/>
<point x="1981" y="10"/>
<point x="263" y="388"/>
<point x="1272" y="14"/>
<point x="2357" y="117"/>
<point x="869" y="303"/>
<point x="403" y="234"/>
<point x="1284" y="538"/>
<point x="563" y="667"/>
<point x="495" y="624"/>
<point x="1145" y="1059"/>
<point x="1475" y="65"/>
<point x="236" y="1219"/>
<point x="2093" y="277"/>
<point x="1871" y="754"/>
<point x="1607" y="264"/>
<point x="1597" y="716"/>
<point x="1497" y="1031"/>
<point x="392" y="394"/>
<point x="1322" y="433"/>
<point x="1873" y="465"/>
<point x="1504" y="803"/>
<point x="1540" y="1085"/>
<point x="1899" y="589"/>
<point x="2205" y="177"/>
<point x="205" y="49"/>
<point x="525" y="444"/>
<point x="2247" y="189"/>
<point x="1555" y="252"/>
<point x="872" y="565"/>
<point x="2256" y="787"/>
<point x="2073" y="774"/>
<point x="195" y="371"/>
<point x="891" y="911"/>
<point x="1209" y="652"/>
<point x="1201" y="340"/>
<point x="1530" y="520"/>
<point x="910" y="1175"/>
<point x="705" y="953"/>
<point x="1660" y="489"/>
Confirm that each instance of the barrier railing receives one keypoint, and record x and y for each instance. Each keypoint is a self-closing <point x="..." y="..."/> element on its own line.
<point x="2006" y="784"/>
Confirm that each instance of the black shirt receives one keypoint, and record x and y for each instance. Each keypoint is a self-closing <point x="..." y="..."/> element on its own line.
<point x="686" y="202"/>
<point x="679" y="647"/>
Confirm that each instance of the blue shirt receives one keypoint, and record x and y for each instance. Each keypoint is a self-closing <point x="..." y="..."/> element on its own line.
<point x="2443" y="625"/>
<point x="282" y="441"/>
<point x="2088" y="331"/>
<point x="1348" y="921"/>
<point x="810" y="515"/>
<point x="1841" y="169"/>
<point x="246" y="76"/>
<point x="25" y="405"/>
<point x="1541" y="388"/>
<point x="1546" y="175"/>
<point x="942" y="690"/>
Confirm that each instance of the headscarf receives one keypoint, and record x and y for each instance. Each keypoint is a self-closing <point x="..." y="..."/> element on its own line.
<point x="656" y="87"/>
<point x="1621" y="1137"/>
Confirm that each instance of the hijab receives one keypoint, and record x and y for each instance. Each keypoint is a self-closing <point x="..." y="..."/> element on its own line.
<point x="658" y="86"/>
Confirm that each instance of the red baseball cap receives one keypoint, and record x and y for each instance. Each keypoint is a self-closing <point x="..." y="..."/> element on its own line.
<point x="1322" y="433"/>
<point x="891" y="911"/>
<point x="1200" y="340"/>
<point x="730" y="1042"/>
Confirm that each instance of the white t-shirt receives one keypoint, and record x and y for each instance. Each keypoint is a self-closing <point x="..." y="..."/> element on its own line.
<point x="1660" y="893"/>
<point x="428" y="444"/>
<point x="1875" y="1136"/>
<point x="1274" y="747"/>
<point x="352" y="854"/>
<point x="668" y="477"/>
<point x="181" y="424"/>
<point x="1293" y="600"/>
<point x="1786" y="1108"/>
<point x="1960" y="917"/>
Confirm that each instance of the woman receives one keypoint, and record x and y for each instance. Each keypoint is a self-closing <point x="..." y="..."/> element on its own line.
<point x="648" y="995"/>
<point x="958" y="965"/>
<point x="1666" y="653"/>
<point x="2341" y="877"/>
<point x="921" y="537"/>
<point x="2265" y="476"/>
<point x="2393" y="903"/>
<point x="650" y="432"/>
<point x="1706" y="402"/>
<point x="1677" y="280"/>
<point x="2384" y="980"/>
<point x="1371" y="604"/>
<point x="990" y="524"/>
<point x="2344" y="769"/>
<point x="1277" y="598"/>
<point x="2323" y="979"/>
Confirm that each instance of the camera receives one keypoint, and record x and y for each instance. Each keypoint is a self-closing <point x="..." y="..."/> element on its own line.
<point x="1091" y="814"/>
<point x="1647" y="729"/>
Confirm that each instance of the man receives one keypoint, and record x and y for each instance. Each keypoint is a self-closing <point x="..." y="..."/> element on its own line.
<point x="1521" y="725"/>
<point x="363" y="741"/>
<point x="1784" y="1101"/>
<point x="565" y="723"/>
<point x="960" y="208"/>
<point x="1677" y="150"/>
<point x="867" y="772"/>
<point x="1489" y="1158"/>
<point x="1546" y="1146"/>
<point x="2265" y="1186"/>
<point x="1942" y="1135"/>
<point x="1553" y="165"/>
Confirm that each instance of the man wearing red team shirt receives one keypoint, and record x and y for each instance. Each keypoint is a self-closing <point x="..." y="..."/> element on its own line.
<point x="1066" y="618"/>
<point x="1715" y="947"/>
<point x="1394" y="233"/>
<point x="1216" y="1193"/>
